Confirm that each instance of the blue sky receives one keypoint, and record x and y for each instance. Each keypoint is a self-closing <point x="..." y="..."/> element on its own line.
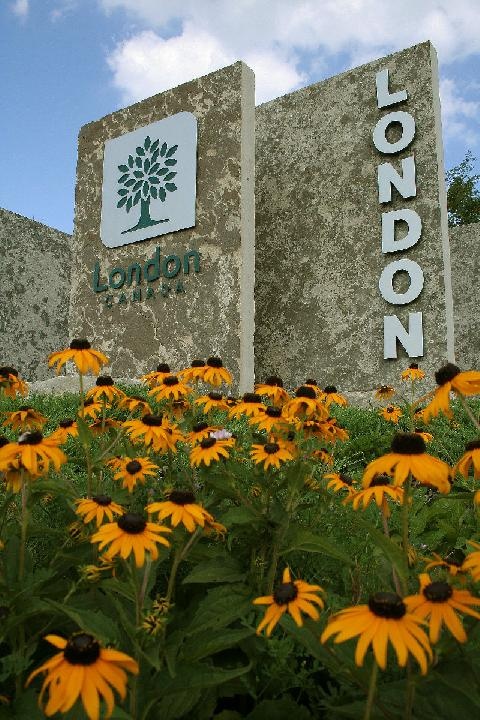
<point x="67" y="62"/>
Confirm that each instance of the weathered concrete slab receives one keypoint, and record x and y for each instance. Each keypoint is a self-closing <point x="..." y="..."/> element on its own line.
<point x="319" y="254"/>
<point x="464" y="250"/>
<point x="35" y="266"/>
<point x="185" y="294"/>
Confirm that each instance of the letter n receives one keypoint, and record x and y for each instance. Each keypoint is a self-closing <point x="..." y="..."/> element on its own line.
<point x="411" y="339"/>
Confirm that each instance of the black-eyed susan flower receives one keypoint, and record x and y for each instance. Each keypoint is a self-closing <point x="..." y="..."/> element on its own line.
<point x="384" y="392"/>
<point x="15" y="475"/>
<point x="11" y="384"/>
<point x="437" y="602"/>
<point x="156" y="377"/>
<point x="322" y="456"/>
<point x="339" y="481"/>
<point x="97" y="508"/>
<point x="170" y="388"/>
<point x="131" y="533"/>
<point x="81" y="353"/>
<point x="250" y="405"/>
<point x="212" y="401"/>
<point x="181" y="507"/>
<point x="215" y="374"/>
<point x="34" y="452"/>
<point x="134" y="403"/>
<point x="450" y="379"/>
<point x="272" y="453"/>
<point x="304" y="404"/>
<point x="25" y="418"/>
<point x="104" y="425"/>
<point x="408" y="456"/>
<point x="210" y="450"/>
<point x="332" y="430"/>
<point x="66" y="428"/>
<point x="199" y="432"/>
<point x="379" y="490"/>
<point x="104" y="390"/>
<point x="427" y="437"/>
<point x="273" y="388"/>
<point x="83" y="670"/>
<point x="290" y="596"/>
<point x="331" y="395"/>
<point x="134" y="470"/>
<point x="452" y="561"/>
<point x="384" y="619"/>
<point x="194" y="373"/>
<point x="392" y="413"/>
<point x="472" y="561"/>
<point x="470" y="459"/>
<point x="91" y="409"/>
<point x="271" y="419"/>
<point x="154" y="431"/>
<point x="413" y="373"/>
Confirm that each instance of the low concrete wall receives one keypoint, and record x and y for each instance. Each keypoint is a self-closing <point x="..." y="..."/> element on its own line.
<point x="35" y="268"/>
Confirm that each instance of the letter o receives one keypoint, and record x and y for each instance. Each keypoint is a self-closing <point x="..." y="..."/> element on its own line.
<point x="385" y="283"/>
<point x="177" y="264"/>
<point x="408" y="132"/>
<point x="119" y="283"/>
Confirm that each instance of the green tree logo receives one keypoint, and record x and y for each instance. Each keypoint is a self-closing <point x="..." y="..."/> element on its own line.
<point x="147" y="175"/>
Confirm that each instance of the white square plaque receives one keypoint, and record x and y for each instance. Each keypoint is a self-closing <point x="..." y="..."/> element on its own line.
<point x="149" y="181"/>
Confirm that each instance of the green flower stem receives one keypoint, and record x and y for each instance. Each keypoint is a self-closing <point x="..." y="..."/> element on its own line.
<point x="143" y="589"/>
<point x="372" y="688"/>
<point x="410" y="693"/>
<point x="405" y="543"/>
<point x="469" y="412"/>
<point x="23" y="527"/>
<point x="272" y="571"/>
<point x="386" y="532"/>
<point x="82" y="393"/>
<point x="180" y="554"/>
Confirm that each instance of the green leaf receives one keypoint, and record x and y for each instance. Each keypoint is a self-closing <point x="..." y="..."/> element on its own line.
<point x="284" y="708"/>
<point x="123" y="191"/>
<point x="147" y="142"/>
<point x="154" y="179"/>
<point x="240" y="515"/>
<point x="137" y="185"/>
<point x="137" y="197"/>
<point x="206" y="644"/>
<point x="164" y="149"/>
<point x="170" y="176"/>
<point x="122" y="202"/>
<point x="177" y="705"/>
<point x="122" y="178"/>
<point x="300" y="539"/>
<point x="170" y="162"/>
<point x="162" y="194"/>
<point x="123" y="168"/>
<point x="129" y="204"/>
<point x="154" y="192"/>
<point x="102" y="627"/>
<point x="155" y="156"/>
<point x="163" y="171"/>
<point x="130" y="182"/>
<point x="146" y="188"/>
<point x="154" y="146"/>
<point x="170" y="187"/>
<point x="222" y="606"/>
<point x="131" y="161"/>
<point x="223" y="568"/>
<point x="390" y="549"/>
<point x="138" y="174"/>
<point x="146" y="165"/>
<point x="138" y="162"/>
<point x="172" y="151"/>
<point x="197" y="677"/>
<point x="84" y="432"/>
<point x="140" y="151"/>
<point x="154" y="167"/>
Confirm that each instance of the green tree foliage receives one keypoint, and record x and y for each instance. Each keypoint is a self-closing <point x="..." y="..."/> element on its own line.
<point x="463" y="196"/>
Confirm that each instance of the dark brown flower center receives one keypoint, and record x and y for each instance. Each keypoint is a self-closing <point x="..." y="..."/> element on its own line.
<point x="152" y="420"/>
<point x="82" y="649"/>
<point x="30" y="438"/>
<point x="285" y="593"/>
<point x="446" y="373"/>
<point x="68" y="422"/>
<point x="6" y="370"/>
<point x="199" y="427"/>
<point x="438" y="591"/>
<point x="251" y="398"/>
<point x="387" y="605"/>
<point x="215" y="396"/>
<point x="380" y="480"/>
<point x="346" y="479"/>
<point x="3" y="441"/>
<point x="132" y="523"/>
<point x="306" y="391"/>
<point x="384" y="389"/>
<point x="103" y="500"/>
<point x="214" y="362"/>
<point x="103" y="381"/>
<point x="413" y="366"/>
<point x="310" y="381"/>
<point x="274" y="380"/>
<point x="408" y="444"/>
<point x="133" y="467"/>
<point x="390" y="408"/>
<point x="473" y="445"/>
<point x="80" y="344"/>
<point x="273" y="412"/>
<point x="271" y="448"/>
<point x="455" y="557"/>
<point x="163" y="368"/>
<point x="207" y="443"/>
<point x="181" y="497"/>
<point x="197" y="363"/>
<point x="330" y="389"/>
<point x="25" y="407"/>
<point x="170" y="380"/>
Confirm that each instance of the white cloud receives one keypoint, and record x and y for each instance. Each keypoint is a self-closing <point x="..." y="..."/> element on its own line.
<point x="20" y="8"/>
<point x="459" y="115"/>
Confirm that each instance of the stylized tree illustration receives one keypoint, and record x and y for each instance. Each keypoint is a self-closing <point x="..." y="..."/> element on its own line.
<point x="147" y="175"/>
